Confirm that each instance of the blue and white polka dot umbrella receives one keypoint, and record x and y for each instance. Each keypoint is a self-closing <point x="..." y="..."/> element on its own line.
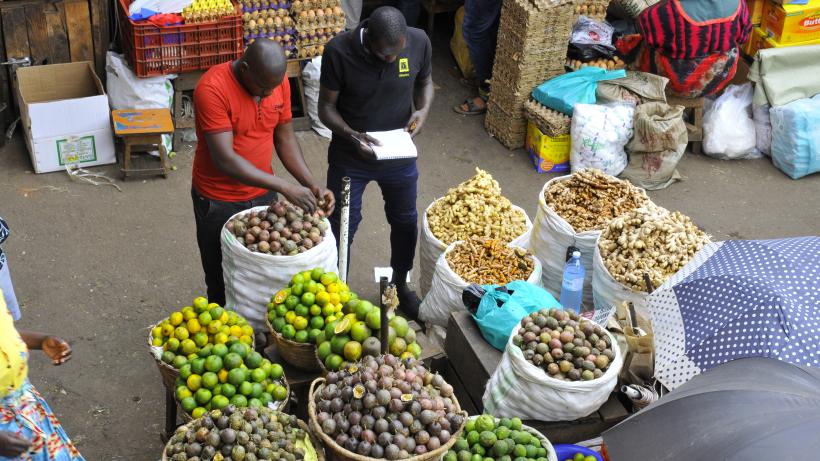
<point x="736" y="299"/>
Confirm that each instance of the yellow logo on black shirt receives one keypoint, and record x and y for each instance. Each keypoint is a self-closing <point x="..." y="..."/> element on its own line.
<point x="404" y="67"/>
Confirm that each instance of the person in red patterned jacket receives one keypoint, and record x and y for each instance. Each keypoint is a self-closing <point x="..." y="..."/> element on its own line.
<point x="694" y="43"/>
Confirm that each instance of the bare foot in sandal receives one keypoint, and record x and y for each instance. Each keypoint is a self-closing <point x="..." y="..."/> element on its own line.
<point x="474" y="106"/>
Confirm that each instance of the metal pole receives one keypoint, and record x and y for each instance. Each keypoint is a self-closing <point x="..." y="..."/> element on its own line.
<point x="344" y="226"/>
<point x="383" y="314"/>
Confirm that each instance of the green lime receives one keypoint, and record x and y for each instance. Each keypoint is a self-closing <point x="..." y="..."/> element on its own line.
<point x="308" y="299"/>
<point x="520" y="451"/>
<point x="185" y="371"/>
<point x="209" y="380"/>
<point x="516" y="424"/>
<point x="282" y="309"/>
<point x="276" y="371"/>
<point x="205" y="351"/>
<point x="317" y="273"/>
<point x="317" y="323"/>
<point x="472" y="437"/>
<point x="232" y="360"/>
<point x="278" y="323"/>
<point x="188" y="404"/>
<point x="258" y="375"/>
<point x="469" y="426"/>
<point x="280" y="393"/>
<point x="578" y="457"/>
<point x="213" y="363"/>
<point x="253" y="360"/>
<point x="168" y="357"/>
<point x="203" y="396"/>
<point x="301" y="336"/>
<point x="297" y="290"/>
<point x="236" y="376"/>
<point x="487" y="439"/>
<point x="228" y="390"/>
<point x="198" y="366"/>
<point x="532" y="451"/>
<point x="245" y="388"/>
<point x="255" y="403"/>
<point x="333" y="362"/>
<point x="179" y="361"/>
<point x="288" y="332"/>
<point x="240" y="348"/>
<point x="323" y="350"/>
<point x="313" y="334"/>
<point x="479" y="450"/>
<point x="220" y="350"/>
<point x="239" y="401"/>
<point x="219" y="402"/>
<point x="265" y="399"/>
<point x="257" y="390"/>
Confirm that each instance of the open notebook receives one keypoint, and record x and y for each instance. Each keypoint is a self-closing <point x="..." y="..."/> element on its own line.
<point x="396" y="144"/>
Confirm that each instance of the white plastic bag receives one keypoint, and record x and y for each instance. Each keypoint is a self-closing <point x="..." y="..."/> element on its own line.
<point x="252" y="278"/>
<point x="431" y="248"/>
<point x="310" y="80"/>
<point x="763" y="129"/>
<point x="599" y="134"/>
<point x="728" y="128"/>
<point x="444" y="296"/>
<point x="520" y="389"/>
<point x="607" y="292"/>
<point x="550" y="238"/>
<point x="127" y="91"/>
<point x="588" y="31"/>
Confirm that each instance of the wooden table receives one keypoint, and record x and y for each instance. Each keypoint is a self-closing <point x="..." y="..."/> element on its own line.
<point x="141" y="130"/>
<point x="471" y="362"/>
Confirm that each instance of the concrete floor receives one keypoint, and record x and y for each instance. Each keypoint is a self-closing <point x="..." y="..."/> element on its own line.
<point x="98" y="266"/>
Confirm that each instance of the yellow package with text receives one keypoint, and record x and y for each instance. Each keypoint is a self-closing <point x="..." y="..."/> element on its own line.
<point x="788" y="24"/>
<point x="549" y="154"/>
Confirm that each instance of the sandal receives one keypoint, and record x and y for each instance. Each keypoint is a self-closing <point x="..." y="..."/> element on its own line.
<point x="472" y="108"/>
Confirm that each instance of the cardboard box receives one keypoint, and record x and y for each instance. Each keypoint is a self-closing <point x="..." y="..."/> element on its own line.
<point x="755" y="42"/>
<point x="548" y="154"/>
<point x="769" y="42"/>
<point x="755" y="10"/>
<point x="65" y="116"/>
<point x="788" y="24"/>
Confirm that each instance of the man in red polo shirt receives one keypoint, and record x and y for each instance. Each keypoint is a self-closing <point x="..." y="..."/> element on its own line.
<point x="242" y="116"/>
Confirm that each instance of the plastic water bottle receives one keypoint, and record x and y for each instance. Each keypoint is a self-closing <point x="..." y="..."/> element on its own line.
<point x="572" y="286"/>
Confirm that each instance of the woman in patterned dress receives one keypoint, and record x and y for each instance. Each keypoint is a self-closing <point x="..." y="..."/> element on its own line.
<point x="29" y="431"/>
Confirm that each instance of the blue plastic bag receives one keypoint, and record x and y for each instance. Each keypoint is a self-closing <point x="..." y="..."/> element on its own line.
<point x="562" y="93"/>
<point x="499" y="312"/>
<point x="796" y="137"/>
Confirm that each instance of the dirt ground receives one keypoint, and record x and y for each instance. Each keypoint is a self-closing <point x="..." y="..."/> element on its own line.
<point x="98" y="266"/>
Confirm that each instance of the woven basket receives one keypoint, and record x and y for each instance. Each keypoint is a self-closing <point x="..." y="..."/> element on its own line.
<point x="168" y="373"/>
<point x="317" y="445"/>
<point x="341" y="454"/>
<point x="299" y="355"/>
<point x="283" y="405"/>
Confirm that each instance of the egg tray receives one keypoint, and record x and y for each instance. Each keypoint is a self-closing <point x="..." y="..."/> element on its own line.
<point x="302" y="5"/>
<point x="333" y="23"/>
<point x="250" y="7"/>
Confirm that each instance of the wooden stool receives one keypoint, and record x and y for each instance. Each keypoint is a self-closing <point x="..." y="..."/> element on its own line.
<point x="433" y="7"/>
<point x="694" y="129"/>
<point x="141" y="130"/>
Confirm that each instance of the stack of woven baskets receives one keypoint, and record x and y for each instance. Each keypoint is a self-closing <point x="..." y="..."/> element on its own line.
<point x="533" y="36"/>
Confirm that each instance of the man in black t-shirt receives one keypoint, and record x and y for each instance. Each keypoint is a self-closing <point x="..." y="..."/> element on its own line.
<point x="378" y="77"/>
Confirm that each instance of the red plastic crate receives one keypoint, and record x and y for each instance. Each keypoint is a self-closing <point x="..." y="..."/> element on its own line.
<point x="154" y="50"/>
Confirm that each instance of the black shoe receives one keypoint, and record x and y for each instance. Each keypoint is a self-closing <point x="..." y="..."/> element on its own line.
<point x="409" y="304"/>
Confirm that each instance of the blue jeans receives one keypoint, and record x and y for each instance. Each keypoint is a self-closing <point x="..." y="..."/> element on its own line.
<point x="398" y="185"/>
<point x="480" y="28"/>
<point x="410" y="9"/>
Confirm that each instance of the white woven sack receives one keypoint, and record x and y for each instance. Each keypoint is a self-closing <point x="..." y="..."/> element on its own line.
<point x="608" y="292"/>
<point x="252" y="278"/>
<point x="444" y="296"/>
<point x="520" y="389"/>
<point x="551" y="236"/>
<point x="431" y="248"/>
